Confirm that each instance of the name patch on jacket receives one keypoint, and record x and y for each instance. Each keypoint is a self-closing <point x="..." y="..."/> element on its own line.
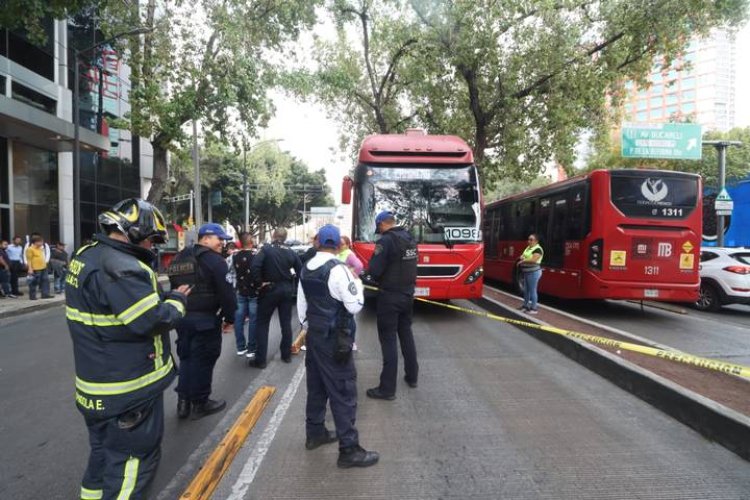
<point x="74" y="270"/>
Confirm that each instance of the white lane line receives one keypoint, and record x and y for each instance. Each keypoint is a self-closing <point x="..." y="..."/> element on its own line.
<point x="240" y="487"/>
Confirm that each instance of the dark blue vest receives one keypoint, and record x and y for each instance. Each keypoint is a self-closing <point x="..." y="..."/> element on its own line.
<point x="323" y="311"/>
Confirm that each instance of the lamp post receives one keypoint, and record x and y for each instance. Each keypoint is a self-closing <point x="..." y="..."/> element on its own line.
<point x="77" y="131"/>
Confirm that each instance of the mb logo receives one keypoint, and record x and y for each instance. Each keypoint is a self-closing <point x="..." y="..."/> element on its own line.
<point x="664" y="250"/>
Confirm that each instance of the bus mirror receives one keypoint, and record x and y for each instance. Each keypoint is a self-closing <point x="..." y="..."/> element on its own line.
<point x="346" y="190"/>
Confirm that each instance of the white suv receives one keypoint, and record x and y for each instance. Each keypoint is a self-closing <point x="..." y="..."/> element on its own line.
<point x="725" y="277"/>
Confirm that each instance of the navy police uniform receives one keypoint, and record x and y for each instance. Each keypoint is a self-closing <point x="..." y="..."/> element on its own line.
<point x="119" y="320"/>
<point x="199" y="332"/>
<point x="271" y="271"/>
<point x="394" y="266"/>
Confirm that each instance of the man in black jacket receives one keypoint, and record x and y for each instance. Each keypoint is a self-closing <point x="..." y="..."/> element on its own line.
<point x="199" y="332"/>
<point x="119" y="320"/>
<point x="247" y="298"/>
<point x="272" y="274"/>
<point x="394" y="266"/>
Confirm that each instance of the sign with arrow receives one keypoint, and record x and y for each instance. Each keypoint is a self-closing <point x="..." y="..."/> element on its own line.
<point x="671" y="141"/>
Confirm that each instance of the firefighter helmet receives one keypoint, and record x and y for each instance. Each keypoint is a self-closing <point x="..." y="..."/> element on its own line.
<point x="137" y="219"/>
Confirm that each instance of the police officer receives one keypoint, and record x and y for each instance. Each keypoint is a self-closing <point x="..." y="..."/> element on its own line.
<point x="119" y="320"/>
<point x="199" y="332"/>
<point x="394" y="266"/>
<point x="327" y="298"/>
<point x="272" y="274"/>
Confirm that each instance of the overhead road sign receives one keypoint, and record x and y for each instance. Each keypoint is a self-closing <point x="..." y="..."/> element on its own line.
<point x="670" y="141"/>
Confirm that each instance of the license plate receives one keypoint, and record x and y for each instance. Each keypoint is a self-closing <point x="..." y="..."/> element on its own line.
<point x="421" y="291"/>
<point x="651" y="293"/>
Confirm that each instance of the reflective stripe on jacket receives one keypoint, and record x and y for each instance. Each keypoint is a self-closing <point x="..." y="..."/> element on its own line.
<point x="119" y="321"/>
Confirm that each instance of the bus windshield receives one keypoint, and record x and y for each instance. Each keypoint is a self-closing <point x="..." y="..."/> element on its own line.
<point x="661" y="195"/>
<point x="436" y="204"/>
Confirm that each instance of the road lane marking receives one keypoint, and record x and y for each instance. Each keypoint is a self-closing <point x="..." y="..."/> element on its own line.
<point x="250" y="469"/>
<point x="205" y="482"/>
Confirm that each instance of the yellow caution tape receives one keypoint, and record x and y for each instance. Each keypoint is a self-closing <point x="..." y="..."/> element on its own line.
<point x="677" y="356"/>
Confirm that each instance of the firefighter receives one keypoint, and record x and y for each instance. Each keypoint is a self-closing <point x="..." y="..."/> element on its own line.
<point x="119" y="320"/>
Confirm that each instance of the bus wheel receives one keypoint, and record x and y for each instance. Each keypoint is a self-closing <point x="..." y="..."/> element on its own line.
<point x="708" y="298"/>
<point x="518" y="285"/>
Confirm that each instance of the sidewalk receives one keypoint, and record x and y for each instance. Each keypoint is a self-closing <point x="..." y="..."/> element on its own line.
<point x="23" y="305"/>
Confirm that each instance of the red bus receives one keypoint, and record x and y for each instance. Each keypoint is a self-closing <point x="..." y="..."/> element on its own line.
<point x="431" y="185"/>
<point x="609" y="234"/>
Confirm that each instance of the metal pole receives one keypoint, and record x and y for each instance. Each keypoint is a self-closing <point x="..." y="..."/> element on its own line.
<point x="197" y="181"/>
<point x="304" y="213"/>
<point x="247" y="192"/>
<point x="76" y="157"/>
<point x="191" y="205"/>
<point x="722" y="149"/>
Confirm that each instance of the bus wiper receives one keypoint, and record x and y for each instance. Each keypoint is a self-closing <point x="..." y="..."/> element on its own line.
<point x="446" y="239"/>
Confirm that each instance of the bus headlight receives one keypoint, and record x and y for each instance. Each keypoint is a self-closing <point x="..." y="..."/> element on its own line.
<point x="478" y="272"/>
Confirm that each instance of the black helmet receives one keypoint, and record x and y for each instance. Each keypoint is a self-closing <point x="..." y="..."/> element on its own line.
<point x="137" y="219"/>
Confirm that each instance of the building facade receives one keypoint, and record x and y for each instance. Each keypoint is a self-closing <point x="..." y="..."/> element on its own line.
<point x="37" y="133"/>
<point x="699" y="86"/>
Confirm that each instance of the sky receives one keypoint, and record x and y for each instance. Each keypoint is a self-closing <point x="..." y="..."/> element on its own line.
<point x="312" y="137"/>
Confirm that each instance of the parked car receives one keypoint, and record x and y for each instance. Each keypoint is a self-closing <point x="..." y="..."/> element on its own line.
<point x="725" y="277"/>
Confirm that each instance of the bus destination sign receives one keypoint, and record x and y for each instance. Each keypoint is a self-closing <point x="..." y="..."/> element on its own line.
<point x="671" y="141"/>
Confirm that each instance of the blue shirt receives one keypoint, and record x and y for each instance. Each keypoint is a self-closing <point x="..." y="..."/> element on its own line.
<point x="15" y="252"/>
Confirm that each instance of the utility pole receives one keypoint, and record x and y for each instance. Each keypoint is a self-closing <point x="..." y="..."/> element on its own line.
<point x="197" y="181"/>
<point x="246" y="227"/>
<point x="721" y="149"/>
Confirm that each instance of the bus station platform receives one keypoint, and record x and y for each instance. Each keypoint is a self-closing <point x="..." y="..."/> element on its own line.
<point x="497" y="415"/>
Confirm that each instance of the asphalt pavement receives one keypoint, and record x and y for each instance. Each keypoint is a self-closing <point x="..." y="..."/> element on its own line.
<point x="497" y="414"/>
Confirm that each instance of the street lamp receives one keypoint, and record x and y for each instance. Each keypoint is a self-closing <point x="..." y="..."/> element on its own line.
<point x="77" y="125"/>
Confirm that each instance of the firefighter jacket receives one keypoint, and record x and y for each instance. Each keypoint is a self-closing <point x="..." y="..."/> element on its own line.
<point x="119" y="320"/>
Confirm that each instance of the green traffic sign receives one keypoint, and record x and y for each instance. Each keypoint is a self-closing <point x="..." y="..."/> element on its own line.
<point x="671" y="141"/>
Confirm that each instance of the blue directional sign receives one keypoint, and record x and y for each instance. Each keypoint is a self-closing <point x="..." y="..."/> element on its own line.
<point x="671" y="141"/>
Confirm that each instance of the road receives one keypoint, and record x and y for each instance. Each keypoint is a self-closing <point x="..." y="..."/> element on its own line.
<point x="722" y="335"/>
<point x="497" y="415"/>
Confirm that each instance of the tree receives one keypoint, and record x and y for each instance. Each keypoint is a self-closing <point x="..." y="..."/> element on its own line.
<point x="358" y="75"/>
<point x="27" y="15"/>
<point x="206" y="60"/>
<point x="277" y="183"/>
<point x="519" y="80"/>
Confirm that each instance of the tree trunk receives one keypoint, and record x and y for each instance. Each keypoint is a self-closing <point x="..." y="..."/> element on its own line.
<point x="159" y="178"/>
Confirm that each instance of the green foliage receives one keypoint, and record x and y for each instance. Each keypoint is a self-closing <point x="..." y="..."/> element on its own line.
<point x="519" y="80"/>
<point x="27" y="15"/>
<point x="210" y="60"/>
<point x="606" y="154"/>
<point x="275" y="179"/>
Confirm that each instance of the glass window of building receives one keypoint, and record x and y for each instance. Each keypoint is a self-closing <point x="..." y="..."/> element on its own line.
<point x="33" y="98"/>
<point x="657" y="88"/>
<point x="17" y="46"/>
<point x="35" y="192"/>
<point x="641" y="104"/>
<point x="657" y="113"/>
<point x="688" y="83"/>
<point x="641" y="117"/>
<point x="655" y="101"/>
<point x="688" y="107"/>
<point x="671" y="99"/>
<point x="4" y="191"/>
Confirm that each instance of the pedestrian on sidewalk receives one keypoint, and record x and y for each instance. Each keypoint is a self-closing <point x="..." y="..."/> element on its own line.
<point x="5" y="291"/>
<point x="531" y="271"/>
<point x="119" y="320"/>
<point x="199" y="333"/>
<point x="18" y="268"/>
<point x="58" y="263"/>
<point x="328" y="296"/>
<point x="247" y="299"/>
<point x="38" y="274"/>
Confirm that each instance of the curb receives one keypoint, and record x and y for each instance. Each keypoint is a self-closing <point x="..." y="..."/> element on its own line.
<point x="30" y="308"/>
<point x="714" y="421"/>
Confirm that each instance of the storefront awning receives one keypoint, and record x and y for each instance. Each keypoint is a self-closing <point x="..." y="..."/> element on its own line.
<point x="21" y="122"/>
